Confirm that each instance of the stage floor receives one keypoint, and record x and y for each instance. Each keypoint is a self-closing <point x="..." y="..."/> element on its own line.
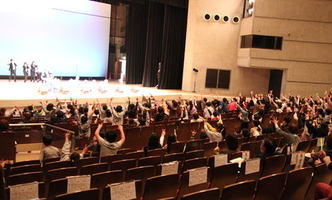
<point x="23" y="94"/>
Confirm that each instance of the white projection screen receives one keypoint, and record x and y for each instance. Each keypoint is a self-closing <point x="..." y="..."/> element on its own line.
<point x="67" y="37"/>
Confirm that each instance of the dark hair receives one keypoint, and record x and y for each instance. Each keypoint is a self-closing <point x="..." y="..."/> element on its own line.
<point x="60" y="114"/>
<point x="160" y="109"/>
<point x="148" y="105"/>
<point x="215" y="114"/>
<point x="232" y="142"/>
<point x="171" y="138"/>
<point x="219" y="127"/>
<point x="208" y="104"/>
<point x="81" y="110"/>
<point x="74" y="156"/>
<point x="104" y="107"/>
<point x="287" y="119"/>
<point x="108" y="113"/>
<point x="47" y="140"/>
<point x="49" y="106"/>
<point x="96" y="112"/>
<point x="270" y="145"/>
<point x="84" y="119"/>
<point x="110" y="136"/>
<point x="4" y="125"/>
<point x="328" y="111"/>
<point x="85" y="109"/>
<point x="203" y="135"/>
<point x="142" y="122"/>
<point x="30" y="108"/>
<point x="195" y="116"/>
<point x="245" y="132"/>
<point x="292" y="129"/>
<point x="118" y="108"/>
<point x="154" y="141"/>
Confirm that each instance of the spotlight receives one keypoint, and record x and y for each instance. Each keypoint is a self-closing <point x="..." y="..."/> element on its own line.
<point x="207" y="17"/>
<point x="225" y="18"/>
<point x="236" y="19"/>
<point x="195" y="70"/>
<point x="216" y="18"/>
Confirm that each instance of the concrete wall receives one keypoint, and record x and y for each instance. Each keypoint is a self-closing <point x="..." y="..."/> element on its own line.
<point x="215" y="45"/>
<point x="305" y="26"/>
<point x="305" y="58"/>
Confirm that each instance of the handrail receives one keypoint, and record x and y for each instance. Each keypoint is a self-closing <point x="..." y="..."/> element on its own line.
<point x="43" y="124"/>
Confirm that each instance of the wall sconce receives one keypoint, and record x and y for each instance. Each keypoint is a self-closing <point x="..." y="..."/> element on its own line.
<point x="216" y="18"/>
<point x="225" y="18"/>
<point x="207" y="17"/>
<point x="236" y="19"/>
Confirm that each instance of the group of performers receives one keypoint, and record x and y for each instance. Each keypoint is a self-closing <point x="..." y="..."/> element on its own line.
<point x="36" y="74"/>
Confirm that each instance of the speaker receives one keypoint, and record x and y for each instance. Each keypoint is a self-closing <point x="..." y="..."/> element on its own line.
<point x="207" y="17"/>
<point x="216" y="18"/>
<point x="236" y="19"/>
<point x="225" y="18"/>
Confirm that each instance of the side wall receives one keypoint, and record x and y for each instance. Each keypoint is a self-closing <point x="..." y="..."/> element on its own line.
<point x="211" y="44"/>
<point x="306" y="27"/>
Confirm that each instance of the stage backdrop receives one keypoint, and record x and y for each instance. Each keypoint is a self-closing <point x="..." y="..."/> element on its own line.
<point x="67" y="37"/>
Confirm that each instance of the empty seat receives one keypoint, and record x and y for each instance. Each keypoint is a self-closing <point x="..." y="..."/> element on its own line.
<point x="177" y="147"/>
<point x="172" y="157"/>
<point x="270" y="187"/>
<point x="194" y="163"/>
<point x="138" y="188"/>
<point x="273" y="164"/>
<point x="162" y="186"/>
<point x="209" y="148"/>
<point x="91" y="194"/>
<point x="192" y="145"/>
<point x="210" y="194"/>
<point x="100" y="180"/>
<point x="56" y="165"/>
<point x="140" y="173"/>
<point x="242" y="191"/>
<point x="224" y="175"/>
<point x="25" y="168"/>
<point x="249" y="176"/>
<point x="194" y="154"/>
<point x="297" y="183"/>
<point x="123" y="165"/>
<point x="321" y="174"/>
<point x="110" y="158"/>
<point x="94" y="168"/>
<point x="151" y="160"/>
<point x="188" y="186"/>
<point x="25" y="178"/>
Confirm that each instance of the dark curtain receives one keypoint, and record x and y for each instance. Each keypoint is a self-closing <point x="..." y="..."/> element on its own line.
<point x="153" y="43"/>
<point x="135" y="42"/>
<point x="174" y="37"/>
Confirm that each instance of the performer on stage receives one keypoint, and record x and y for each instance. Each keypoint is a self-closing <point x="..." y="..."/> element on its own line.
<point x="33" y="71"/>
<point x="39" y="75"/>
<point x="12" y="69"/>
<point x="25" y="71"/>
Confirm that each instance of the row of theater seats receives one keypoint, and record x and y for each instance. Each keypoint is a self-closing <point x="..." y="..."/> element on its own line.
<point x="297" y="184"/>
<point x="133" y="165"/>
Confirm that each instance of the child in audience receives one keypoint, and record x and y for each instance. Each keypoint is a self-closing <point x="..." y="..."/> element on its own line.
<point x="48" y="151"/>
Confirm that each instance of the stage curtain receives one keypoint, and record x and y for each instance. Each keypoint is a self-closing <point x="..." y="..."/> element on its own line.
<point x="135" y="42"/>
<point x="153" y="43"/>
<point x="173" y="47"/>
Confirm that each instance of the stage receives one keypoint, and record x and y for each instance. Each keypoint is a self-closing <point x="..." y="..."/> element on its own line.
<point x="23" y="94"/>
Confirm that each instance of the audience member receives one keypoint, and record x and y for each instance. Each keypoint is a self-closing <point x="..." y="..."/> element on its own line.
<point x="48" y="151"/>
<point x="109" y="146"/>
